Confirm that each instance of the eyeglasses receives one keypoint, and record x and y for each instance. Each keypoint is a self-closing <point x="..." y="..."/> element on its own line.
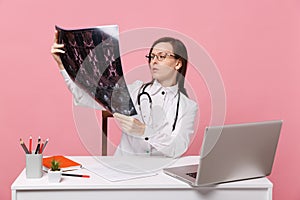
<point x="160" y="56"/>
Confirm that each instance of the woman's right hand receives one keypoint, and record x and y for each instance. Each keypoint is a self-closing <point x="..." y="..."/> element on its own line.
<point x="56" y="49"/>
<point x="130" y="125"/>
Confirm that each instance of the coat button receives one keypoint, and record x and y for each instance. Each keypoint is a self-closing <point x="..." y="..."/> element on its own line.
<point x="146" y="138"/>
<point x="163" y="93"/>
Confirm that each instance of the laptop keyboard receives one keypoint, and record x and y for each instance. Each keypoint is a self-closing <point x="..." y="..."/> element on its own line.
<point x="192" y="174"/>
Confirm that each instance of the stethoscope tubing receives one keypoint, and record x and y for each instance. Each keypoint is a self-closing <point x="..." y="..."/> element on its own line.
<point x="143" y="87"/>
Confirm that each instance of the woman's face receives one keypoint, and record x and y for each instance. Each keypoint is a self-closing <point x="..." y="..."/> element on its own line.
<point x="163" y="64"/>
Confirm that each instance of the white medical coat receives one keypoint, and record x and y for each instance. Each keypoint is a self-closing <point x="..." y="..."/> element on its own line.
<point x="158" y="138"/>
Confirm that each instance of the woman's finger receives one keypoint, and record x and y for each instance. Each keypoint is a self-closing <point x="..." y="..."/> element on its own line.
<point x="56" y="36"/>
<point x="56" y="48"/>
<point x="56" y="45"/>
<point x="57" y="51"/>
<point x="120" y="116"/>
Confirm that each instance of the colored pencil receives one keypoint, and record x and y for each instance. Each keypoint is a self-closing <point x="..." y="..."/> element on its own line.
<point x="76" y="175"/>
<point x="24" y="146"/>
<point x="38" y="146"/>
<point x="46" y="142"/>
<point x="30" y="144"/>
<point x="41" y="148"/>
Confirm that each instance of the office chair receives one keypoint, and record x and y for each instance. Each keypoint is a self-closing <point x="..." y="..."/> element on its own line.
<point x="105" y="116"/>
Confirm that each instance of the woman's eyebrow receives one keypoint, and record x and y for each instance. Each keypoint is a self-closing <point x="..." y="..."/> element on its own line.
<point x="161" y="52"/>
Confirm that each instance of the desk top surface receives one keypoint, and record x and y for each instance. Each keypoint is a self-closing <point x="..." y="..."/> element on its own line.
<point x="159" y="181"/>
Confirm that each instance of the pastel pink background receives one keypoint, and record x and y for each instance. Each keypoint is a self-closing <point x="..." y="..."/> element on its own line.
<point x="255" y="44"/>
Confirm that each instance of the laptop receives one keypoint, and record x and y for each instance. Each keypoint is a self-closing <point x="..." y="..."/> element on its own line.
<point x="231" y="153"/>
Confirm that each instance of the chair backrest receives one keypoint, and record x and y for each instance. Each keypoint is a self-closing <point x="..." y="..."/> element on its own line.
<point x="105" y="116"/>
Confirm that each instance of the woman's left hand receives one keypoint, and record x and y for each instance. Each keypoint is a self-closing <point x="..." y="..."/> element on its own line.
<point x="130" y="125"/>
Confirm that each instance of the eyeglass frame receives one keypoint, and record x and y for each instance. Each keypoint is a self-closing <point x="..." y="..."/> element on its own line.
<point x="160" y="57"/>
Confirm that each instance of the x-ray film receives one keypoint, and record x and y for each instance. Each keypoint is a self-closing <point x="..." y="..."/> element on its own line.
<point x="92" y="60"/>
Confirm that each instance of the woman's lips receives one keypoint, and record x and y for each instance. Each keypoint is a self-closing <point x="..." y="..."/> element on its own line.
<point x="154" y="69"/>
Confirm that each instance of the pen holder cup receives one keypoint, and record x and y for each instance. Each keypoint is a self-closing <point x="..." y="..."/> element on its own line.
<point x="34" y="165"/>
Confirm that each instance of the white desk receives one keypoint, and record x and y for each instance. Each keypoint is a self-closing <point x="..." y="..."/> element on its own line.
<point x="156" y="187"/>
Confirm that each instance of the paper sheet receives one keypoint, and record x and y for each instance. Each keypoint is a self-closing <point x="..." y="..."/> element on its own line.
<point x="121" y="172"/>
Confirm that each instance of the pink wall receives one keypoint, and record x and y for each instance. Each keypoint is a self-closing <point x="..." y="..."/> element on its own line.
<point x="253" y="43"/>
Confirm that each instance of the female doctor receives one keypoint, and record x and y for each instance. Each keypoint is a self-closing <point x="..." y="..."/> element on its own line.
<point x="165" y="121"/>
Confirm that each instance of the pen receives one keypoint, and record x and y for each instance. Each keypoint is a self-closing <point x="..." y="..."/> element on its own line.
<point x="76" y="175"/>
<point x="30" y="144"/>
<point x="24" y="146"/>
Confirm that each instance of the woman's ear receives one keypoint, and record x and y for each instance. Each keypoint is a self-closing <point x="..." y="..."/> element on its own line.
<point x="178" y="64"/>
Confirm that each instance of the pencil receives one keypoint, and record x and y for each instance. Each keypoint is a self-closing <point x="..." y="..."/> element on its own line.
<point x="76" y="175"/>
<point x="30" y="144"/>
<point x="24" y="146"/>
<point x="38" y="146"/>
<point x="41" y="148"/>
<point x="46" y="142"/>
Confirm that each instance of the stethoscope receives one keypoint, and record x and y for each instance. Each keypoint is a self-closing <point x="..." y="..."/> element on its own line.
<point x="150" y="102"/>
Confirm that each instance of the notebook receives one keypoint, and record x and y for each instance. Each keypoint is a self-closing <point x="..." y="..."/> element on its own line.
<point x="65" y="163"/>
<point x="231" y="153"/>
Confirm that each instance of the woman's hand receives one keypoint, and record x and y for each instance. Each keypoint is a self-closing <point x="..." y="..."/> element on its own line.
<point x="56" y="49"/>
<point x="130" y="125"/>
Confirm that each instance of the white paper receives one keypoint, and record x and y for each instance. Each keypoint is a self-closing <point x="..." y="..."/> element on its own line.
<point x="120" y="172"/>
